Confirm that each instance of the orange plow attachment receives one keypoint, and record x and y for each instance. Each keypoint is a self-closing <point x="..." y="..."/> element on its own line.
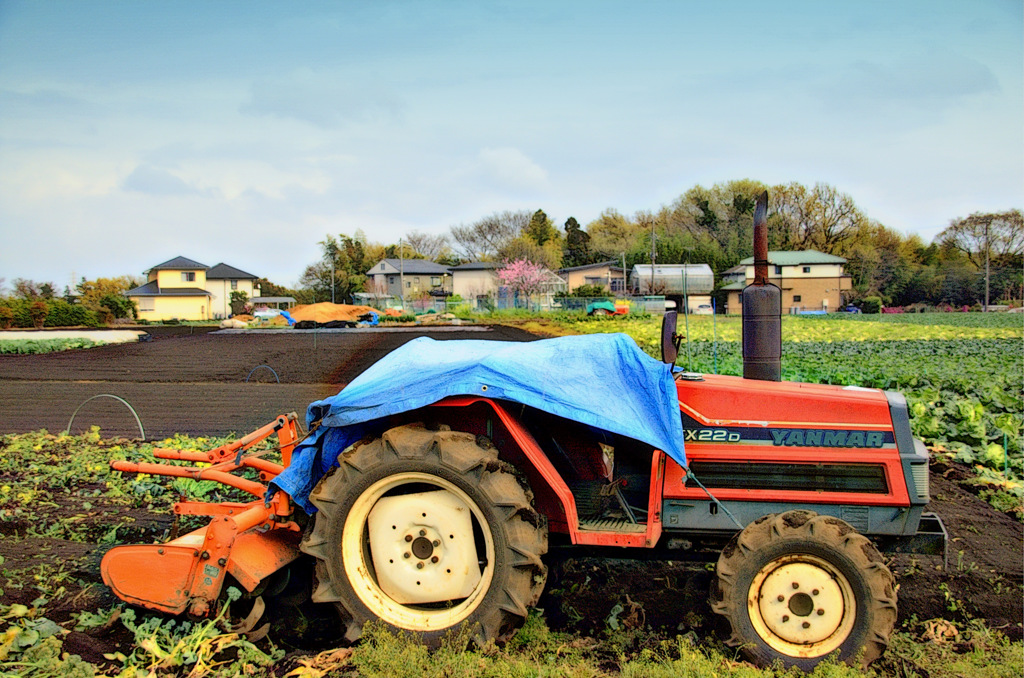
<point x="248" y="541"/>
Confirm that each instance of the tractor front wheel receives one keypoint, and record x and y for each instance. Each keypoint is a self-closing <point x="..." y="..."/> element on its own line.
<point x="426" y="531"/>
<point x="798" y="586"/>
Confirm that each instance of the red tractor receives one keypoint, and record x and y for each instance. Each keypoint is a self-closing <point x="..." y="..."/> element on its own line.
<point x="437" y="511"/>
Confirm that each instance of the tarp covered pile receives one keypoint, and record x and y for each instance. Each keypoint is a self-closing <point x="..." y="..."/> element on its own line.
<point x="326" y="312"/>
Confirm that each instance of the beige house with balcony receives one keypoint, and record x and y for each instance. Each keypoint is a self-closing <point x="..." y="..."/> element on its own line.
<point x="809" y="280"/>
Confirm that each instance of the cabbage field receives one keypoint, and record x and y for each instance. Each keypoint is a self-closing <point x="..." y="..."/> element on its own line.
<point x="962" y="373"/>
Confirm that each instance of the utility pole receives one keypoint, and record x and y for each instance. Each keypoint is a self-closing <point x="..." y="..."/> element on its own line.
<point x="333" y="252"/>
<point x="624" y="288"/>
<point x="654" y="253"/>
<point x="987" y="250"/>
<point x="401" y="272"/>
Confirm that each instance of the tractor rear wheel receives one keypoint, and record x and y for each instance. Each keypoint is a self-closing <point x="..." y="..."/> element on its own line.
<point x="426" y="531"/>
<point x="798" y="586"/>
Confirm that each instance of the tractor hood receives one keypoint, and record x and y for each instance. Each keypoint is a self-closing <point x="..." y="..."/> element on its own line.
<point x="602" y="380"/>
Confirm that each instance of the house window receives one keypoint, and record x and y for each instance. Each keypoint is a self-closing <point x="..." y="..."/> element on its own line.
<point x="382" y="266"/>
<point x="435" y="281"/>
<point x="807" y="269"/>
<point x="796" y="298"/>
<point x="408" y="284"/>
<point x="147" y="304"/>
<point x="391" y="280"/>
<point x="778" y="270"/>
<point x="234" y="284"/>
<point x="188" y="276"/>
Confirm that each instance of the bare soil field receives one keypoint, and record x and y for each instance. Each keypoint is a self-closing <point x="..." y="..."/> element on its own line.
<point x="188" y="381"/>
<point x="195" y="383"/>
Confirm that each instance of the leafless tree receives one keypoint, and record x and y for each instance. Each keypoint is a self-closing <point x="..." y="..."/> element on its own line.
<point x="430" y="246"/>
<point x="820" y="218"/>
<point x="484" y="238"/>
<point x="1005" y="235"/>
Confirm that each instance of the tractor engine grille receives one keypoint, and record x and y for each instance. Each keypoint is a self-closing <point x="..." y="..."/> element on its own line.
<point x="867" y="478"/>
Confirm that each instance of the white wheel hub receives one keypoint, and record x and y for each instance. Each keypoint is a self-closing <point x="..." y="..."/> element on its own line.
<point x="417" y="593"/>
<point x="801" y="606"/>
<point x="422" y="547"/>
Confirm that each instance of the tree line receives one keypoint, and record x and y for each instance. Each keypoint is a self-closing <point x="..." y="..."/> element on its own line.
<point x="709" y="225"/>
<point x="713" y="225"/>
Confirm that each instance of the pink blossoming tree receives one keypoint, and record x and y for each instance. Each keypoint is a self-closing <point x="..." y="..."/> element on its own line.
<point x="522" y="277"/>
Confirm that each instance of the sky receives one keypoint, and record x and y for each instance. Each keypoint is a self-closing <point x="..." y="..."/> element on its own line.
<point x="244" y="132"/>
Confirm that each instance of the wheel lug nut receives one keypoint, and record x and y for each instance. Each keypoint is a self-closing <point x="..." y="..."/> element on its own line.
<point x="406" y="554"/>
<point x="434" y="559"/>
<point x="820" y="612"/>
<point x="408" y="537"/>
<point x="436" y="543"/>
<point x="807" y="625"/>
<point x="814" y="592"/>
<point x="785" y="617"/>
<point x="782" y="598"/>
<point x="423" y="533"/>
<point x="795" y="585"/>
<point x="419" y="565"/>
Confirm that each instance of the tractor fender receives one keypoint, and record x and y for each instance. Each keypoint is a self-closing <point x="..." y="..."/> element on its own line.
<point x="553" y="497"/>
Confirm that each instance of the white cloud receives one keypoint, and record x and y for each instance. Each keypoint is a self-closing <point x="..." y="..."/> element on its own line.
<point x="156" y="181"/>
<point x="512" y="169"/>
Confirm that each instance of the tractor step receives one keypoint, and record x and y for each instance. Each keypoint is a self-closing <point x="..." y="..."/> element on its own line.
<point x="612" y="526"/>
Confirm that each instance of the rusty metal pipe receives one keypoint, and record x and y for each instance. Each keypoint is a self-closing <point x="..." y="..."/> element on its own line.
<point x="761" y="240"/>
<point x="762" y="309"/>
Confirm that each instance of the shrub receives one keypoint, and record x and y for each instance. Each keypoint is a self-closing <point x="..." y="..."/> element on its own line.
<point x="38" y="310"/>
<point x="6" y="318"/>
<point x="118" y="306"/>
<point x="871" y="305"/>
<point x="590" y="291"/>
<point x="63" y="314"/>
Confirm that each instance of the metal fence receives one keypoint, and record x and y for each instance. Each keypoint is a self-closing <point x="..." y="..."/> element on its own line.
<point x="538" y="303"/>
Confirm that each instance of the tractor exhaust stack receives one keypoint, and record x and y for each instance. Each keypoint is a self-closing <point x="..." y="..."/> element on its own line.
<point x="762" y="309"/>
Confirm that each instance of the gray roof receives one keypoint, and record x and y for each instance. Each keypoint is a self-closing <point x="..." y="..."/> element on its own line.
<point x="476" y="266"/>
<point x="410" y="267"/>
<point x="224" y="272"/>
<point x="614" y="265"/>
<point x="179" y="264"/>
<point x="151" y="289"/>
<point x="797" y="257"/>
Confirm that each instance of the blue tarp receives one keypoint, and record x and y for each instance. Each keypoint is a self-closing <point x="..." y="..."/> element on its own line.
<point x="602" y="380"/>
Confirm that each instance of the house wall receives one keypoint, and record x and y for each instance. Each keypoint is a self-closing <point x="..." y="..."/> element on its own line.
<point x="415" y="283"/>
<point x="470" y="284"/>
<point x="794" y="272"/>
<point x="801" y="291"/>
<point x="220" y="295"/>
<point x="166" y="308"/>
<point x="592" y="276"/>
<point x="171" y="279"/>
